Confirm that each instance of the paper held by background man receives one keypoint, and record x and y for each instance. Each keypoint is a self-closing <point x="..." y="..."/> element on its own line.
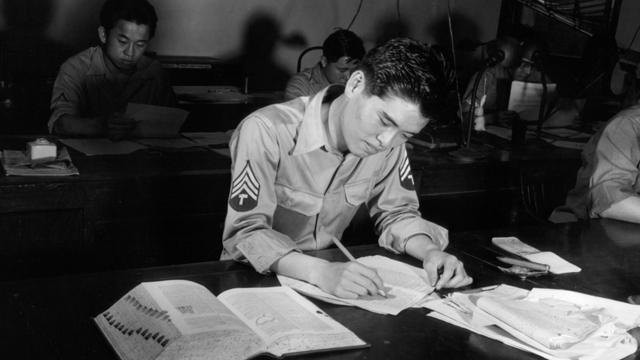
<point x="156" y="121"/>
<point x="525" y="99"/>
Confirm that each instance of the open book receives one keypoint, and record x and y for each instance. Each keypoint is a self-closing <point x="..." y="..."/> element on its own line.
<point x="180" y="319"/>
<point x="405" y="286"/>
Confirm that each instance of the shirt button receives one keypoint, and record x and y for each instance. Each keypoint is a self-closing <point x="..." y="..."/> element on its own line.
<point x="322" y="228"/>
<point x="288" y="203"/>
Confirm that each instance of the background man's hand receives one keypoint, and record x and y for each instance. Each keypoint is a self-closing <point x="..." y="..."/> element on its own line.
<point x="507" y="116"/>
<point x="118" y="127"/>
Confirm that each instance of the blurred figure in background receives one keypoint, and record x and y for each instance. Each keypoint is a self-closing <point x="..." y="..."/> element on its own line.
<point x="341" y="53"/>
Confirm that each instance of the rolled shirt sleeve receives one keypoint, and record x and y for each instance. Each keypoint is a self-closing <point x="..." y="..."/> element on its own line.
<point x="394" y="206"/>
<point x="248" y="234"/>
<point x="68" y="97"/>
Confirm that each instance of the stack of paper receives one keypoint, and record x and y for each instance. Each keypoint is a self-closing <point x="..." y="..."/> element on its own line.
<point x="20" y="163"/>
<point x="405" y="286"/>
<point x="554" y="324"/>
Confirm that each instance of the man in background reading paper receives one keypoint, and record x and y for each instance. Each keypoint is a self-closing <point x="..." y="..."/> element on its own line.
<point x="93" y="88"/>
<point x="302" y="168"/>
<point x="498" y="78"/>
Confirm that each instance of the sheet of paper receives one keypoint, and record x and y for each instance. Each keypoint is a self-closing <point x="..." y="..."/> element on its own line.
<point x="210" y="138"/>
<point x="627" y="314"/>
<point x="100" y="146"/>
<point x="156" y="121"/>
<point x="169" y="143"/>
<point x="525" y="98"/>
<point x="404" y="286"/>
<point x="608" y="342"/>
<point x="564" y="113"/>
<point x="557" y="264"/>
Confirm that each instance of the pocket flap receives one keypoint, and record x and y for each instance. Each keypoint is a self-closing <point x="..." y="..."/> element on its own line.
<point x="298" y="201"/>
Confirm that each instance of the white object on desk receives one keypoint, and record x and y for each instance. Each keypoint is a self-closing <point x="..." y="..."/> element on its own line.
<point x="525" y="99"/>
<point x="41" y="149"/>
<point x="557" y="264"/>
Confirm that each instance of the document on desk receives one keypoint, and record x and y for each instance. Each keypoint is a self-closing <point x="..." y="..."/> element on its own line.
<point x="156" y="121"/>
<point x="405" y="286"/>
<point x="557" y="264"/>
<point x="102" y="146"/>
<point x="525" y="98"/>
<point x="554" y="324"/>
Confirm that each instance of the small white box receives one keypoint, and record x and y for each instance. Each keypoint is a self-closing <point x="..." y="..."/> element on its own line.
<point x="42" y="149"/>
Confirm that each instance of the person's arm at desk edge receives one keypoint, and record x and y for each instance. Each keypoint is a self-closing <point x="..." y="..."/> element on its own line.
<point x="625" y="210"/>
<point x="350" y="280"/>
<point x="346" y="280"/>
<point x="113" y="127"/>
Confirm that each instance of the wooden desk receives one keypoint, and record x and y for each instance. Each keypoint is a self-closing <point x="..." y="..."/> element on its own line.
<point x="50" y="318"/>
<point x="147" y="208"/>
<point x="156" y="208"/>
<point x="484" y="194"/>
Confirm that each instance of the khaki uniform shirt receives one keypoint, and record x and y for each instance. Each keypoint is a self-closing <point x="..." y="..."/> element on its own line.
<point x="292" y="192"/>
<point x="84" y="87"/>
<point x="306" y="83"/>
<point x="609" y="172"/>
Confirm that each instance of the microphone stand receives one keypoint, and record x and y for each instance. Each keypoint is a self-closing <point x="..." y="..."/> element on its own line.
<point x="537" y="144"/>
<point x="465" y="153"/>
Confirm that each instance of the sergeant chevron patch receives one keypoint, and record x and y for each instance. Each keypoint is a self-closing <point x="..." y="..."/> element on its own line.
<point x="245" y="190"/>
<point x="406" y="178"/>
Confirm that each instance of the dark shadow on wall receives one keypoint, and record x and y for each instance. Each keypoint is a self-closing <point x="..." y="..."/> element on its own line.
<point x="390" y="28"/>
<point x="261" y="35"/>
<point x="468" y="60"/>
<point x="29" y="64"/>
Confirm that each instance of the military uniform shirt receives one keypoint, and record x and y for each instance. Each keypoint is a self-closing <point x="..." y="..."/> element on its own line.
<point x="307" y="82"/>
<point x="291" y="192"/>
<point x="84" y="87"/>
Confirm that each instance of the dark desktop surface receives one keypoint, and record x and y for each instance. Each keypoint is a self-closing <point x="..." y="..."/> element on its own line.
<point x="51" y="317"/>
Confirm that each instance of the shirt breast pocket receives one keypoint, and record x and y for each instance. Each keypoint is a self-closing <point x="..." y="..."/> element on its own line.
<point x="357" y="193"/>
<point x="298" y="201"/>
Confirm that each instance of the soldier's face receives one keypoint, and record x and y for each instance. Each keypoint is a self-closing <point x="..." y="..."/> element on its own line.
<point x="371" y="124"/>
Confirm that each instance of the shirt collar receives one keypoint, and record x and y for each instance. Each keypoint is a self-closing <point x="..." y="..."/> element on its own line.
<point x="317" y="76"/>
<point x="312" y="133"/>
<point x="98" y="67"/>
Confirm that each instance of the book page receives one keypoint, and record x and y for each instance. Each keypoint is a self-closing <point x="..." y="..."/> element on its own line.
<point x="174" y="319"/>
<point x="553" y="323"/>
<point x="288" y="322"/>
<point x="404" y="286"/>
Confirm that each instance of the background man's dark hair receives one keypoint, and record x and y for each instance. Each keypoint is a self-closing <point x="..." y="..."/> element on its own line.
<point x="410" y="70"/>
<point x="343" y="43"/>
<point x="136" y="11"/>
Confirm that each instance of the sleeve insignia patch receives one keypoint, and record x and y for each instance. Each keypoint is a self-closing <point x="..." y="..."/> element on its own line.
<point x="406" y="178"/>
<point x="244" y="191"/>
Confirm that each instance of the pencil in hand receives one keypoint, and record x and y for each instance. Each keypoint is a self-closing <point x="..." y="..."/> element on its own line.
<point x="351" y="258"/>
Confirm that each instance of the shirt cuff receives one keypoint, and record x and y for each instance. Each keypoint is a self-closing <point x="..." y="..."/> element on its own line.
<point x="395" y="238"/>
<point x="264" y="249"/>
